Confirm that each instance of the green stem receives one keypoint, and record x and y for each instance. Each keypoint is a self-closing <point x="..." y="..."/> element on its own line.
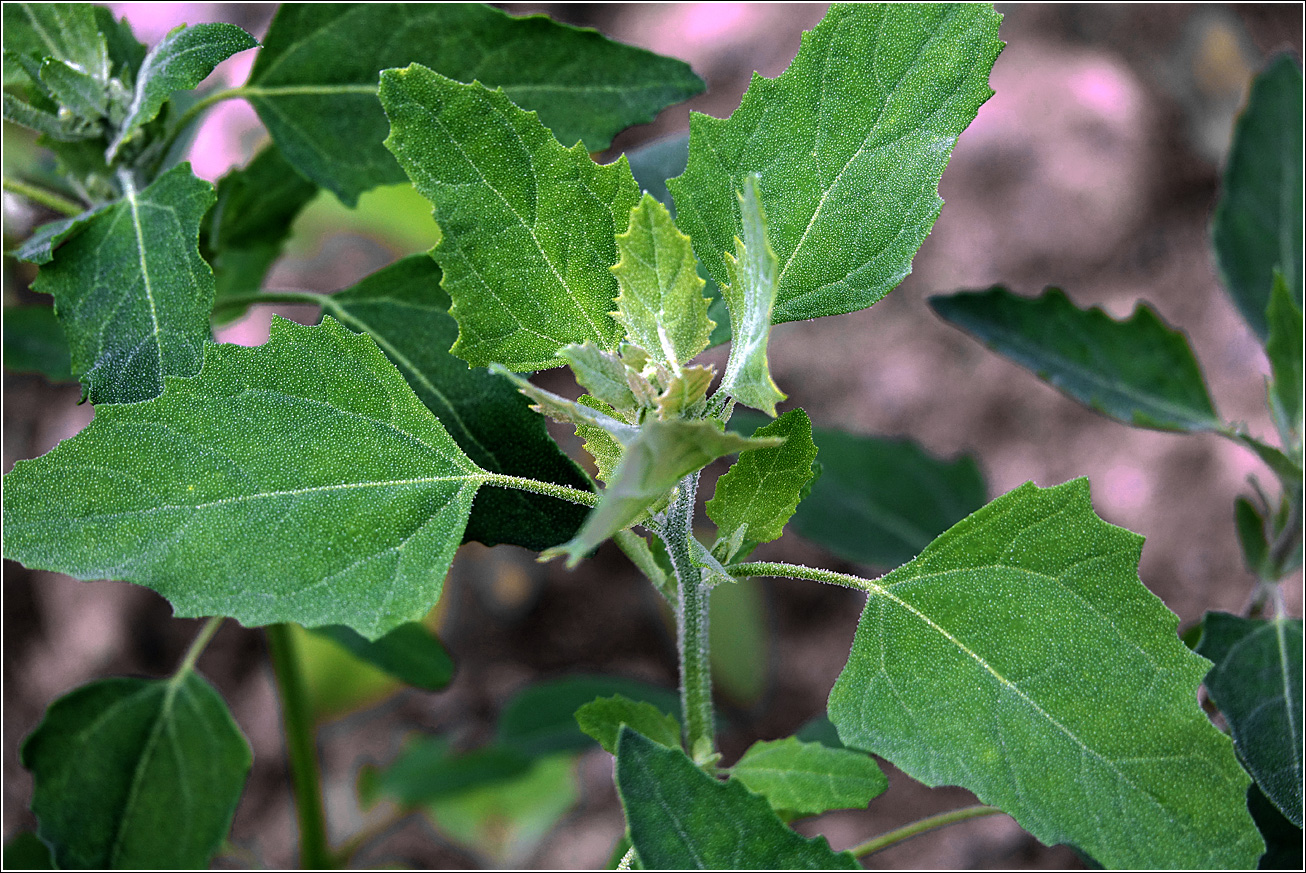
<point x="45" y="197"/>
<point x="198" y="645"/>
<point x="906" y="832"/>
<point x="194" y="112"/>
<point x="562" y="492"/>
<point x="264" y="297"/>
<point x="301" y="748"/>
<point x="636" y="548"/>
<point x="1290" y="537"/>
<point x="798" y="571"/>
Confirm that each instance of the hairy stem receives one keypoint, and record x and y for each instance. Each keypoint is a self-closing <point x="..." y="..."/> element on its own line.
<point x="916" y="828"/>
<point x="798" y="571"/>
<point x="562" y="492"/>
<point x="301" y="748"/>
<point x="44" y="196"/>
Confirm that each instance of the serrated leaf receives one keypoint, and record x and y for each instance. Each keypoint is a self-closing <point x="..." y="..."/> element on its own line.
<point x="601" y="445"/>
<point x="600" y="373"/>
<point x="661" y="303"/>
<point x="680" y="818"/>
<point x="850" y="142"/>
<point x="1057" y="688"/>
<point x="131" y="291"/>
<point x="298" y="481"/>
<point x="603" y="719"/>
<point x="137" y="773"/>
<point x="809" y="778"/>
<point x="662" y="454"/>
<point x="540" y="719"/>
<point x="1139" y="371"/>
<point x="67" y="31"/>
<point x="1283" y="346"/>
<point x="1257" y="684"/>
<point x="315" y="81"/>
<point x="34" y="343"/>
<point x="750" y="294"/>
<point x="1257" y="226"/>
<point x="761" y="490"/>
<point x="404" y="310"/>
<point x="410" y="653"/>
<point x="685" y="391"/>
<point x="527" y="224"/>
<point x="178" y="62"/>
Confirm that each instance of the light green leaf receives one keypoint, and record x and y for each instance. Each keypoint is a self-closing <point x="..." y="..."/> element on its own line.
<point x="137" y="773"/>
<point x="850" y="143"/>
<point x="528" y="225"/>
<point x="298" y="481"/>
<point x="1139" y="371"/>
<point x="680" y="818"/>
<point x="750" y="294"/>
<point x="179" y="62"/>
<point x="662" y="454"/>
<point x="685" y="392"/>
<point x="34" y="343"/>
<point x="596" y="414"/>
<point x="131" y="291"/>
<point x="1257" y="684"/>
<point x="83" y="94"/>
<point x="601" y="445"/>
<point x="540" y="719"/>
<point x="410" y="653"/>
<point x="1283" y="346"/>
<point x="601" y="373"/>
<point x="809" y="778"/>
<point x="761" y="491"/>
<point x="315" y="81"/>
<point x="602" y="719"/>
<point x="55" y="127"/>
<point x="661" y="302"/>
<point x="404" y="310"/>
<point x="1258" y="222"/>
<point x="1057" y="688"/>
<point x="67" y="31"/>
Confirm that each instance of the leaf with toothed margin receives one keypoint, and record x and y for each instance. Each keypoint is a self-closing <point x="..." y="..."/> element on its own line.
<point x="761" y="491"/>
<point x="600" y="373"/>
<point x="561" y="409"/>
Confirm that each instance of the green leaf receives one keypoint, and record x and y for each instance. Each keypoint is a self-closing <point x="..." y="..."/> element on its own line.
<point x="39" y="247"/>
<point x="1256" y="682"/>
<point x="599" y="442"/>
<point x="1283" y="839"/>
<point x="661" y="455"/>
<point x="596" y="413"/>
<point x="850" y="143"/>
<point x="1139" y="371"/>
<point x="809" y="778"/>
<point x="1251" y="536"/>
<point x="686" y="393"/>
<point x="661" y="303"/>
<point x="298" y="481"/>
<point x="426" y="770"/>
<point x="601" y="373"/>
<point x="81" y="93"/>
<point x="34" y="343"/>
<point x="67" y="31"/>
<point x="541" y="720"/>
<point x="131" y="291"/>
<point x="25" y="851"/>
<point x="410" y="652"/>
<point x="137" y="773"/>
<point x="760" y="491"/>
<point x="602" y="719"/>
<point x="315" y="81"/>
<point x="404" y="310"/>
<point x="1283" y="346"/>
<point x="55" y="127"/>
<point x="1056" y="689"/>
<point x="1258" y="222"/>
<point x="126" y="53"/>
<point x="528" y="225"/>
<point x="680" y="818"/>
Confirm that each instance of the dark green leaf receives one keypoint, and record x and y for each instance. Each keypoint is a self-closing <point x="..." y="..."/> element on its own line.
<point x="39" y="247"/>
<point x="404" y="310"/>
<point x="809" y="778"/>
<point x="137" y="773"/>
<point x="409" y="652"/>
<point x="680" y="818"/>
<point x="1258" y="221"/>
<point x="126" y="53"/>
<point x="26" y="852"/>
<point x="426" y="770"/>
<point x="541" y="719"/>
<point x="1283" y="346"/>
<point x="602" y="719"/>
<point x="1257" y="683"/>
<point x="298" y="481"/>
<point x="34" y="343"/>
<point x="1283" y="839"/>
<point x="502" y="184"/>
<point x="1031" y="666"/>
<point x="850" y="143"/>
<point x="315" y="81"/>
<point x="67" y="31"/>
<point x="760" y="491"/>
<point x="1138" y="371"/>
<point x="1251" y="536"/>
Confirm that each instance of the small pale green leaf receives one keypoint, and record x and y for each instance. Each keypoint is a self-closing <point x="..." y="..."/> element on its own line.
<point x="126" y="52"/>
<point x="1258" y="222"/>
<point x="661" y="455"/>
<point x="80" y="92"/>
<point x="410" y="652"/>
<point x="1257" y="684"/>
<point x="131" y="290"/>
<point x="597" y="414"/>
<point x="809" y="778"/>
<point x="303" y="476"/>
<point x="540" y="720"/>
<point x="1139" y="371"/>
<point x="762" y="489"/>
<point x="528" y="225"/>
<point x="1031" y="666"/>
<point x="137" y="773"/>
<point x="178" y="62"/>
<point x="850" y="143"/>
<point x="1283" y="346"/>
<point x="602" y="719"/>
<point x="599" y="442"/>
<point x="404" y="310"/>
<point x="601" y="373"/>
<point x="34" y="343"/>
<point x="680" y="818"/>
<point x="750" y="294"/>
<point x="685" y="391"/>
<point x="67" y="31"/>
<point x="1289" y="470"/>
<point x="661" y="302"/>
<point x="315" y="81"/>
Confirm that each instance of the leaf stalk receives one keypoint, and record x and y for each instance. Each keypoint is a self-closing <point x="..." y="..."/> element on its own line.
<point x="916" y="828"/>
<point x="45" y="197"/>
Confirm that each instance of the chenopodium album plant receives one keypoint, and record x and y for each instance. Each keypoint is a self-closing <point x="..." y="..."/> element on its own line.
<point x="328" y="477"/>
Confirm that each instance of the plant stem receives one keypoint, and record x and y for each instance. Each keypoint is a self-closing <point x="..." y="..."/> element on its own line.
<point x="194" y="112"/>
<point x="1288" y="539"/>
<point x="307" y="297"/>
<point x="45" y="197"/>
<point x="562" y="492"/>
<point x="638" y="551"/>
<point x="198" y="645"/>
<point x="906" y="832"/>
<point x="798" y="571"/>
<point x="301" y="748"/>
